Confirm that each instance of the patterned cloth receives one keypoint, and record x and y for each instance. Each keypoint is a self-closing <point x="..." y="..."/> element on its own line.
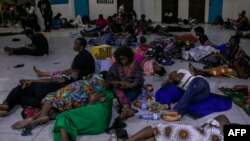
<point x="222" y="71"/>
<point x="177" y="132"/>
<point x="75" y="94"/>
<point x="241" y="98"/>
<point x="132" y="73"/>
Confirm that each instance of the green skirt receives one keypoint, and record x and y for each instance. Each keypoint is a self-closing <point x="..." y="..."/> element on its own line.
<point x="89" y="120"/>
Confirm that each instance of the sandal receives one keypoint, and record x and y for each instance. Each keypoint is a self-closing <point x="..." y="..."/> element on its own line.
<point x="172" y="118"/>
<point x="127" y="112"/>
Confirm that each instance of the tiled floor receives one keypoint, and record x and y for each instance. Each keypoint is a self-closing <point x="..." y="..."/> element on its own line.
<point x="61" y="55"/>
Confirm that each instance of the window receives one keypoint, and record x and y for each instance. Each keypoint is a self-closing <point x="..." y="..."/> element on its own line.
<point x="105" y="1"/>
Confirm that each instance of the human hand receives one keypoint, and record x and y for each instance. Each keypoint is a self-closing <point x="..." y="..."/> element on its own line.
<point x="125" y="85"/>
<point x="25" y="82"/>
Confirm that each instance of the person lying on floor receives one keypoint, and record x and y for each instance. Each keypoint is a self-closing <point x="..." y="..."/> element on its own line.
<point x="196" y="89"/>
<point x="212" y="129"/>
<point x="31" y="92"/>
<point x="237" y="67"/>
<point x="74" y="95"/>
<point x="226" y="53"/>
<point x="149" y="66"/>
<point x="38" y="47"/>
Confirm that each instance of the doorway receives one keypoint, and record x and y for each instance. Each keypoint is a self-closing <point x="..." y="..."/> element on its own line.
<point x="197" y="10"/>
<point x="81" y="7"/>
<point x="169" y="6"/>
<point x="128" y="5"/>
<point x="215" y="9"/>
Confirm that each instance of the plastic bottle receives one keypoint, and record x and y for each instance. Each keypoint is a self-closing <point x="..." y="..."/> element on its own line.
<point x="154" y="116"/>
<point x="113" y="136"/>
<point x="143" y="101"/>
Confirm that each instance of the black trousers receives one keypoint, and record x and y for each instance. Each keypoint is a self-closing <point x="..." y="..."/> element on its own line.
<point x="48" y="23"/>
<point x="27" y="51"/>
<point x="31" y="95"/>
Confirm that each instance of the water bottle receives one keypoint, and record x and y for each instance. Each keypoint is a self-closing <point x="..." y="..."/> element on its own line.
<point x="154" y="116"/>
<point x="113" y="136"/>
<point x="143" y="101"/>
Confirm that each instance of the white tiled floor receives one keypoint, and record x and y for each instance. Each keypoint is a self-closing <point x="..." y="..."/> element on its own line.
<point x="61" y="55"/>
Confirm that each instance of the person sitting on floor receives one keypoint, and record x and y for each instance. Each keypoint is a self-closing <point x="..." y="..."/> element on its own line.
<point x="72" y="96"/>
<point x="101" y="23"/>
<point x="226" y="53"/>
<point x="83" y="62"/>
<point x="203" y="39"/>
<point x="212" y="129"/>
<point x="38" y="47"/>
<point x="126" y="77"/>
<point x="242" y="22"/>
<point x="196" y="89"/>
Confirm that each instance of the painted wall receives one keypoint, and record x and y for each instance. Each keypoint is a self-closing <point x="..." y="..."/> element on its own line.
<point x="151" y="8"/>
<point x="231" y="8"/>
<point x="105" y="9"/>
<point x="183" y="7"/>
<point x="67" y="11"/>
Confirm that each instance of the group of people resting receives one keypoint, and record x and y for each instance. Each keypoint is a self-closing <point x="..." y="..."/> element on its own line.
<point x="76" y="87"/>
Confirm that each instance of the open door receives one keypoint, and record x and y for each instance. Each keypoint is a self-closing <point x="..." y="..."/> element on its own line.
<point x="197" y="10"/>
<point x="128" y="5"/>
<point x="81" y="7"/>
<point x="215" y="9"/>
<point x="169" y="6"/>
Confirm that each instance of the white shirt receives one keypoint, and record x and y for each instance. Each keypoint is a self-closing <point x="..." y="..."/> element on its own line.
<point x="187" y="78"/>
<point x="30" y="10"/>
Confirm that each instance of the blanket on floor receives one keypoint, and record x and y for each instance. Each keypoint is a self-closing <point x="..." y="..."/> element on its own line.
<point x="215" y="103"/>
<point x="241" y="98"/>
<point x="89" y="120"/>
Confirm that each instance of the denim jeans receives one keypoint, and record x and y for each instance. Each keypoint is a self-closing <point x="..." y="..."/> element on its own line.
<point x="198" y="90"/>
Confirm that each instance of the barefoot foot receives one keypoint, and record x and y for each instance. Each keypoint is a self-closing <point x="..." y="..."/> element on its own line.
<point x="191" y="69"/>
<point x="21" y="124"/>
<point x="39" y="120"/>
<point x="38" y="72"/>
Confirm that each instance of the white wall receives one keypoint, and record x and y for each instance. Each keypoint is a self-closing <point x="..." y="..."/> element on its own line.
<point x="231" y="8"/>
<point x="183" y="8"/>
<point x="105" y="9"/>
<point x="151" y="8"/>
<point x="67" y="11"/>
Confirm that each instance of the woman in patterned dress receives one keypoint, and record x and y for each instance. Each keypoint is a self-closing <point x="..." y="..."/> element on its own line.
<point x="126" y="77"/>
<point x="74" y="95"/>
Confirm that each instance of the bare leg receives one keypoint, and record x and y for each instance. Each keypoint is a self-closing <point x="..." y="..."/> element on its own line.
<point x="223" y="120"/>
<point x="44" y="115"/>
<point x="4" y="106"/>
<point x="23" y="123"/>
<point x="64" y="135"/>
<point x="195" y="71"/>
<point x="8" y="50"/>
<point x="40" y="73"/>
<point x="145" y="133"/>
